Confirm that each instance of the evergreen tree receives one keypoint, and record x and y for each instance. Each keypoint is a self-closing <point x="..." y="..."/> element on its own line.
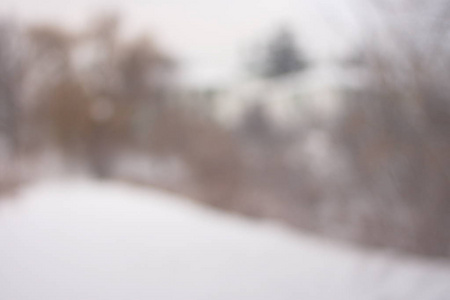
<point x="279" y="56"/>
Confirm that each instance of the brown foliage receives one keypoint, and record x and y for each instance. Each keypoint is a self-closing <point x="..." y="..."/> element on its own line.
<point x="394" y="133"/>
<point x="209" y="151"/>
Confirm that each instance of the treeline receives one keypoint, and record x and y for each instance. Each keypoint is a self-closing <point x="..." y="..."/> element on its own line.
<point x="375" y="172"/>
<point x="394" y="134"/>
<point x="93" y="97"/>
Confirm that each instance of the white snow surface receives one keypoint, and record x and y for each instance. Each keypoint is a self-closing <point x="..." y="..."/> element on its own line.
<point x="86" y="240"/>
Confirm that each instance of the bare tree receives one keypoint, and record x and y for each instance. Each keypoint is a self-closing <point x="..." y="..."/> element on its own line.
<point x="394" y="132"/>
<point x="11" y="74"/>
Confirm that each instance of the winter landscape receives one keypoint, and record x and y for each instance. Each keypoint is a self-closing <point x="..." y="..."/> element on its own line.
<point x="209" y="149"/>
<point x="115" y="241"/>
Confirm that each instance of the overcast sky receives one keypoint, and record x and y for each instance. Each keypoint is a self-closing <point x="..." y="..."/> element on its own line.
<point x="208" y="37"/>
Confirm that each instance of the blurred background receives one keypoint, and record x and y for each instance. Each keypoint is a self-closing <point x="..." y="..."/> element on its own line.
<point x="330" y="117"/>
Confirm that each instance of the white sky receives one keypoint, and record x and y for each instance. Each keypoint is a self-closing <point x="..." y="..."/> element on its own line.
<point x="208" y="37"/>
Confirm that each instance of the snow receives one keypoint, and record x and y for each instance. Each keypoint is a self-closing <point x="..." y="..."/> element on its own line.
<point x="87" y="240"/>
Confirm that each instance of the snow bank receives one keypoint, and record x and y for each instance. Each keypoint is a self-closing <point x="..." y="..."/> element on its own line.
<point x="93" y="241"/>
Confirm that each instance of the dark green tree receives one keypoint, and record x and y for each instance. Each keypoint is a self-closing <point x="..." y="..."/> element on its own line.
<point x="279" y="56"/>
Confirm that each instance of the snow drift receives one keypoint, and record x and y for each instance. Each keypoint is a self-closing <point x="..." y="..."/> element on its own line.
<point x="83" y="240"/>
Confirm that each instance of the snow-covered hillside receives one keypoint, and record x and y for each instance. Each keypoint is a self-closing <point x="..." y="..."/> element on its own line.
<point x="84" y="240"/>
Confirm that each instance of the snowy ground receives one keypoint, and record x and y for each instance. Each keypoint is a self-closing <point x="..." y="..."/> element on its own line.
<point x="84" y="240"/>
